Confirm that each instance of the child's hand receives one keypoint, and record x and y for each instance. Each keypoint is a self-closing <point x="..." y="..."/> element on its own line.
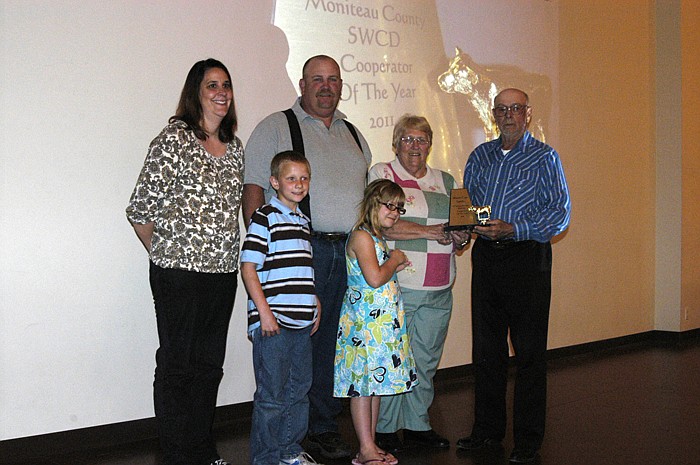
<point x="400" y="258"/>
<point x="268" y="324"/>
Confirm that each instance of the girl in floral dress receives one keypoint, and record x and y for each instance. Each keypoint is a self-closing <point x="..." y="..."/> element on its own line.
<point x="373" y="356"/>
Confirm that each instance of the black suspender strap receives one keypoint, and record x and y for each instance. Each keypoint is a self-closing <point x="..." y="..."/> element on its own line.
<point x="295" y="131"/>
<point x="298" y="146"/>
<point x="298" y="140"/>
<point x="353" y="131"/>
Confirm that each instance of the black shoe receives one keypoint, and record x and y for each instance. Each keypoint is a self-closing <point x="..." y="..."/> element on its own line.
<point x="523" y="455"/>
<point x="329" y="445"/>
<point x="425" y="439"/>
<point x="475" y="443"/>
<point x="390" y="442"/>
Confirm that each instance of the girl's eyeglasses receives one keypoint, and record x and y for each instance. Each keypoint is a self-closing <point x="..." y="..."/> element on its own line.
<point x="392" y="207"/>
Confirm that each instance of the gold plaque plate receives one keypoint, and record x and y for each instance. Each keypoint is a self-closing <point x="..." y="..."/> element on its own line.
<point x="464" y="215"/>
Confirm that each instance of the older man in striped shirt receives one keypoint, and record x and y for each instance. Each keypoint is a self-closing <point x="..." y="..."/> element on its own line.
<point x="522" y="179"/>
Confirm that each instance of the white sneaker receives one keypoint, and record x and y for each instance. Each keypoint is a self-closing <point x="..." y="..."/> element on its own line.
<point x="220" y="462"/>
<point x="301" y="459"/>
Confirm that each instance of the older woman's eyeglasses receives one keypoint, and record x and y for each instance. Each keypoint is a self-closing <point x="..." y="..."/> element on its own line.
<point x="409" y="140"/>
<point x="516" y="109"/>
<point x="392" y="207"/>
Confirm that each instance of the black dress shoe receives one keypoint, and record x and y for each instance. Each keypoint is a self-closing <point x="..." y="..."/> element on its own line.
<point x="523" y="455"/>
<point x="390" y="442"/>
<point x="425" y="439"/>
<point x="475" y="443"/>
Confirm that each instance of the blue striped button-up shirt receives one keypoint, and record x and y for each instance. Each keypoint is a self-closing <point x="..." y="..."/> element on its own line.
<point x="525" y="187"/>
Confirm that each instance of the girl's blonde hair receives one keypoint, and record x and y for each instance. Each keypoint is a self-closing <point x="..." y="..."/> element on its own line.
<point x="376" y="193"/>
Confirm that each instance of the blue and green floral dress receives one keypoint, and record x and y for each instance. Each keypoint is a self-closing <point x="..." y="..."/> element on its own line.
<point x="372" y="353"/>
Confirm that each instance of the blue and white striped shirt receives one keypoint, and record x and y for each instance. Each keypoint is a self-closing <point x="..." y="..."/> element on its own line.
<point x="278" y="242"/>
<point x="525" y="187"/>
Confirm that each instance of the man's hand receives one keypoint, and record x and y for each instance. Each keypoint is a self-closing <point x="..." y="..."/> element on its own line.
<point x="496" y="230"/>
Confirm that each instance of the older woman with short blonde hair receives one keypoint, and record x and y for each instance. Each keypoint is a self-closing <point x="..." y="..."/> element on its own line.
<point x="426" y="283"/>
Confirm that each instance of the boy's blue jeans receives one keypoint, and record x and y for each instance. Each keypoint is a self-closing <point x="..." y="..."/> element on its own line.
<point x="283" y="372"/>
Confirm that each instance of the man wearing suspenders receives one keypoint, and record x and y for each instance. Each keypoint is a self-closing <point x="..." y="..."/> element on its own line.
<point x="339" y="158"/>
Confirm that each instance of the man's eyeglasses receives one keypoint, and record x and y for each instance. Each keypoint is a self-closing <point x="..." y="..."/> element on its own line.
<point x="516" y="109"/>
<point x="409" y="140"/>
<point x="392" y="207"/>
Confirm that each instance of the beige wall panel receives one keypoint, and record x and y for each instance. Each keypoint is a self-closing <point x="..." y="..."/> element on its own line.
<point x="604" y="265"/>
<point x="690" y="45"/>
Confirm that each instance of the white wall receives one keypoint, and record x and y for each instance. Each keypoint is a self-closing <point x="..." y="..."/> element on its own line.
<point x="85" y="87"/>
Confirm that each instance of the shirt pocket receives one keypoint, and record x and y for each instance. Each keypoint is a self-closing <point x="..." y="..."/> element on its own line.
<point x="522" y="183"/>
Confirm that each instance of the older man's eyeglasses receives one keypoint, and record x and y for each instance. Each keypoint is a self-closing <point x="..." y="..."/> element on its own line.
<point x="409" y="140"/>
<point x="516" y="109"/>
<point x="392" y="208"/>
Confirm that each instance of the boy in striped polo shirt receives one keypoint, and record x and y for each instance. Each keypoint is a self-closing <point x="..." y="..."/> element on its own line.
<point x="283" y="313"/>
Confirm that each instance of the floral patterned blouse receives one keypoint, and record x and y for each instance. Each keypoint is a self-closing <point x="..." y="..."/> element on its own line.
<point x="193" y="199"/>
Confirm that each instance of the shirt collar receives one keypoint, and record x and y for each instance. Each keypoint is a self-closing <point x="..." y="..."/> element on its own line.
<point x="277" y="203"/>
<point x="401" y="171"/>
<point x="302" y="114"/>
<point x="519" y="146"/>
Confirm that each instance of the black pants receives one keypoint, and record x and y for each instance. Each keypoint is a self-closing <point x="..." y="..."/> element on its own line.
<point x="193" y="311"/>
<point x="511" y="290"/>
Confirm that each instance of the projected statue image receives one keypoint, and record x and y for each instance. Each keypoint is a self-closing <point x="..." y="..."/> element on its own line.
<point x="481" y="84"/>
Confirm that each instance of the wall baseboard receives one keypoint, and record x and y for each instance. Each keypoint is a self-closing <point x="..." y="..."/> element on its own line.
<point x="237" y="416"/>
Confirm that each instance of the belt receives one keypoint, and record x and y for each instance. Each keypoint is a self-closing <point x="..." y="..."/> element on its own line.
<point x="329" y="236"/>
<point x="500" y="245"/>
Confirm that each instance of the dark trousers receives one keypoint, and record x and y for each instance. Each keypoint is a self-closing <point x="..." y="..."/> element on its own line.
<point x="511" y="290"/>
<point x="330" y="275"/>
<point x="193" y="311"/>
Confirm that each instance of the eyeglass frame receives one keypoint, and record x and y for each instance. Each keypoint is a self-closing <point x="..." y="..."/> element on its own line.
<point x="392" y="208"/>
<point x="409" y="140"/>
<point x="522" y="108"/>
